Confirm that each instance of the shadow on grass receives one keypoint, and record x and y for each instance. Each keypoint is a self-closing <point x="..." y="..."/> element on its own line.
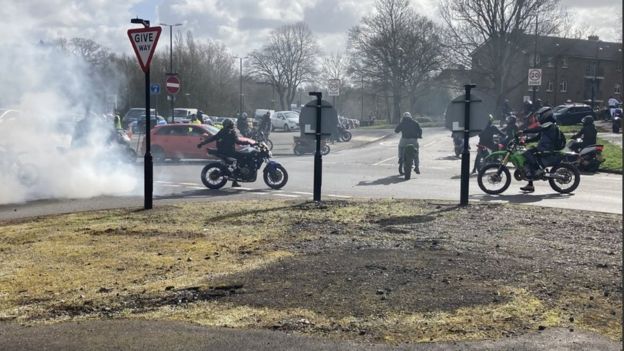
<point x="522" y="198"/>
<point x="393" y="179"/>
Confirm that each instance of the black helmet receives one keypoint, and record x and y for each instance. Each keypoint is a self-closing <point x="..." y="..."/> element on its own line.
<point x="545" y="114"/>
<point x="588" y="120"/>
<point x="228" y="124"/>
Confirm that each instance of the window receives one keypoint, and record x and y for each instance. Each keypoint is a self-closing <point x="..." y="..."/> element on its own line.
<point x="534" y="58"/>
<point x="564" y="62"/>
<point x="617" y="90"/>
<point x="619" y="66"/>
<point x="563" y="86"/>
<point x="550" y="61"/>
<point x="549" y="86"/>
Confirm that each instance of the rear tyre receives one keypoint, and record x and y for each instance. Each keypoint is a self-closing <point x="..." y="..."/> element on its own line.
<point x="566" y="178"/>
<point x="276" y="178"/>
<point x="286" y="128"/>
<point x="407" y="169"/>
<point x="493" y="179"/>
<point x="214" y="175"/>
<point x="325" y="149"/>
<point x="298" y="150"/>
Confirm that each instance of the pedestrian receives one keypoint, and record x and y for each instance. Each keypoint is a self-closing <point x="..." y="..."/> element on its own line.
<point x="410" y="133"/>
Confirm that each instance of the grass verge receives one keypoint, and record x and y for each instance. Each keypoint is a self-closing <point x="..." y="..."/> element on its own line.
<point x="612" y="154"/>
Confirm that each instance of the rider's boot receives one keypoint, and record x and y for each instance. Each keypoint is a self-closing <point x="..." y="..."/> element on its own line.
<point x="529" y="187"/>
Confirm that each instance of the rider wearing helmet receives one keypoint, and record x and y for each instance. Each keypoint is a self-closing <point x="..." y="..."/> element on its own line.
<point x="243" y="124"/>
<point x="410" y="133"/>
<point x="511" y="128"/>
<point x="587" y="134"/>
<point x="486" y="138"/>
<point x="547" y="134"/>
<point x="226" y="142"/>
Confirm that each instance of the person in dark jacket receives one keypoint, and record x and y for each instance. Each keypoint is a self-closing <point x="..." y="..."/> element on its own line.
<point x="227" y="139"/>
<point x="242" y="123"/>
<point x="587" y="134"/>
<point x="511" y="128"/>
<point x="486" y="138"/>
<point x="410" y="133"/>
<point x="547" y="134"/>
<point x="265" y="124"/>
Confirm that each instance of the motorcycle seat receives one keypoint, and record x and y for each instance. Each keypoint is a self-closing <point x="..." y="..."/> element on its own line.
<point x="226" y="159"/>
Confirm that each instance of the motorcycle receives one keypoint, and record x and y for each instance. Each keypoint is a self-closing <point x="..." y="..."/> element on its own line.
<point x="483" y="152"/>
<point x="304" y="145"/>
<point x="494" y="178"/>
<point x="215" y="174"/>
<point x="407" y="160"/>
<point x="343" y="134"/>
<point x="587" y="159"/>
<point x="260" y="137"/>
<point x="617" y="120"/>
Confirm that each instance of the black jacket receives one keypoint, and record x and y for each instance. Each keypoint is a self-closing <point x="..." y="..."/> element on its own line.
<point x="486" y="137"/>
<point x="547" y="134"/>
<point x="226" y="141"/>
<point x="588" y="134"/>
<point x="410" y="129"/>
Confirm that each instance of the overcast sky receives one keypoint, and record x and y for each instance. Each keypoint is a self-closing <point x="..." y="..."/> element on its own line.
<point x="242" y="25"/>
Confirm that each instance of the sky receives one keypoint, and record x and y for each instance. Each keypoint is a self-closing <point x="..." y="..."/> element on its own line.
<point x="241" y="25"/>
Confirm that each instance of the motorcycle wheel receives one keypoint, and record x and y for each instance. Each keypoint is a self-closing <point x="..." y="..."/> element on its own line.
<point x="346" y="136"/>
<point x="298" y="150"/>
<point x="214" y="175"/>
<point x="269" y="143"/>
<point x="325" y="149"/>
<point x="493" y="179"/>
<point x="276" y="178"/>
<point x="566" y="178"/>
<point x="407" y="168"/>
<point x="518" y="175"/>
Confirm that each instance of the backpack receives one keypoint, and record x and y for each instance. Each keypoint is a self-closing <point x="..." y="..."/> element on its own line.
<point x="560" y="140"/>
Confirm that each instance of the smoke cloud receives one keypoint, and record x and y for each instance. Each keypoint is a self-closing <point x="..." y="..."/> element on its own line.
<point x="51" y="91"/>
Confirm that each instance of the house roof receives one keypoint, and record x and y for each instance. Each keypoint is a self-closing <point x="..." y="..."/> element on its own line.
<point x="582" y="48"/>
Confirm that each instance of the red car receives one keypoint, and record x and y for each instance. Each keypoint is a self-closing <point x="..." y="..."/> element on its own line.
<point x="178" y="141"/>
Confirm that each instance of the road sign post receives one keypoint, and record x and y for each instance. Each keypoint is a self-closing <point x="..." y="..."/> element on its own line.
<point x="535" y="80"/>
<point x="172" y="84"/>
<point x="144" y="42"/>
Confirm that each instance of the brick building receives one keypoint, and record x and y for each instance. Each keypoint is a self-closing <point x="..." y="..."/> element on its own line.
<point x="570" y="67"/>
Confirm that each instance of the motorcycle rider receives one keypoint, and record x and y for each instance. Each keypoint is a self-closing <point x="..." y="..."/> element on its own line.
<point x="511" y="129"/>
<point x="242" y="124"/>
<point x="587" y="134"/>
<point x="226" y="141"/>
<point x="486" y="138"/>
<point x="547" y="134"/>
<point x="265" y="125"/>
<point x="410" y="133"/>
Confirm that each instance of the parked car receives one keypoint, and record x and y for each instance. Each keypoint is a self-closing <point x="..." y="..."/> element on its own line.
<point x="138" y="126"/>
<point x="572" y="113"/>
<point x="178" y="141"/>
<point x="134" y="114"/>
<point x="286" y="120"/>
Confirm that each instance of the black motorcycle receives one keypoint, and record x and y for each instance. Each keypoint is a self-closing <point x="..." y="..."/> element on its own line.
<point x="343" y="134"/>
<point x="305" y="145"/>
<point x="215" y="174"/>
<point x="587" y="159"/>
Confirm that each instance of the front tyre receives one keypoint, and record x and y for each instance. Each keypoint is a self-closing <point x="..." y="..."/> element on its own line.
<point x="565" y="178"/>
<point x="276" y="177"/>
<point x="214" y="175"/>
<point x="298" y="150"/>
<point x="493" y="179"/>
<point x="346" y="136"/>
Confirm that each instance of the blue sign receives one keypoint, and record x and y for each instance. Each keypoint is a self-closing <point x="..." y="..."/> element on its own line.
<point x="155" y="89"/>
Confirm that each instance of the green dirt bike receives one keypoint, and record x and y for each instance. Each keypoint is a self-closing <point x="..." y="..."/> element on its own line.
<point x="494" y="178"/>
<point x="407" y="160"/>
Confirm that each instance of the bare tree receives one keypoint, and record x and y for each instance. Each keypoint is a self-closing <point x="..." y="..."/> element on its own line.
<point x="334" y="66"/>
<point x="489" y="36"/>
<point x="395" y="48"/>
<point x="286" y="61"/>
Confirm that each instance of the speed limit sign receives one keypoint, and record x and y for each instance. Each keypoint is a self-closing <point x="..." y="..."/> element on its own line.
<point x="535" y="77"/>
<point x="333" y="87"/>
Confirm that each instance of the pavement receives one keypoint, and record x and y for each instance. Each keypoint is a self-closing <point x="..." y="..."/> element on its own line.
<point x="131" y="335"/>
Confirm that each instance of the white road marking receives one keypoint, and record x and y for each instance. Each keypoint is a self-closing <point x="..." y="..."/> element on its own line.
<point x="190" y="184"/>
<point x="171" y="185"/>
<point x="302" y="193"/>
<point x="382" y="161"/>
<point x="340" y="196"/>
<point x="198" y="187"/>
<point x="286" y="195"/>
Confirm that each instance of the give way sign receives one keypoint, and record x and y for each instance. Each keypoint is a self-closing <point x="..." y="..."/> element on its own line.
<point x="144" y="42"/>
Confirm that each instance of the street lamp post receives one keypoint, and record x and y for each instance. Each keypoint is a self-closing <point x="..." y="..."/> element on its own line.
<point x="240" y="76"/>
<point x="593" y="87"/>
<point x="535" y="58"/>
<point x="172" y="97"/>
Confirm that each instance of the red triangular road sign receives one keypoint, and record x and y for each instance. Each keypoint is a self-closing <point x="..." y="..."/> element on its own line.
<point x="144" y="42"/>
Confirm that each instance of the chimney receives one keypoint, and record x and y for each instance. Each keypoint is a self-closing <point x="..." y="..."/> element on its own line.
<point x="593" y="37"/>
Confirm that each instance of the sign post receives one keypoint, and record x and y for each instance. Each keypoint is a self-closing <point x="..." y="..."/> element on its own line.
<point x="144" y="42"/>
<point x="172" y="84"/>
<point x="333" y="89"/>
<point x="535" y="79"/>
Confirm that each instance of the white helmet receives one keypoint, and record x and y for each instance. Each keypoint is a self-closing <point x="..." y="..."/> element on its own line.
<point x="407" y="115"/>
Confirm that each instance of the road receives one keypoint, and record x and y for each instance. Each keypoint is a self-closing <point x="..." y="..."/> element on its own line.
<point x="364" y="168"/>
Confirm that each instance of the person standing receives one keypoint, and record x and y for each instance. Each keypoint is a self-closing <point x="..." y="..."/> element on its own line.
<point x="410" y="133"/>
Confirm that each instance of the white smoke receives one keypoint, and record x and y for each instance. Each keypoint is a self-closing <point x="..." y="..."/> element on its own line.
<point x="53" y="90"/>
